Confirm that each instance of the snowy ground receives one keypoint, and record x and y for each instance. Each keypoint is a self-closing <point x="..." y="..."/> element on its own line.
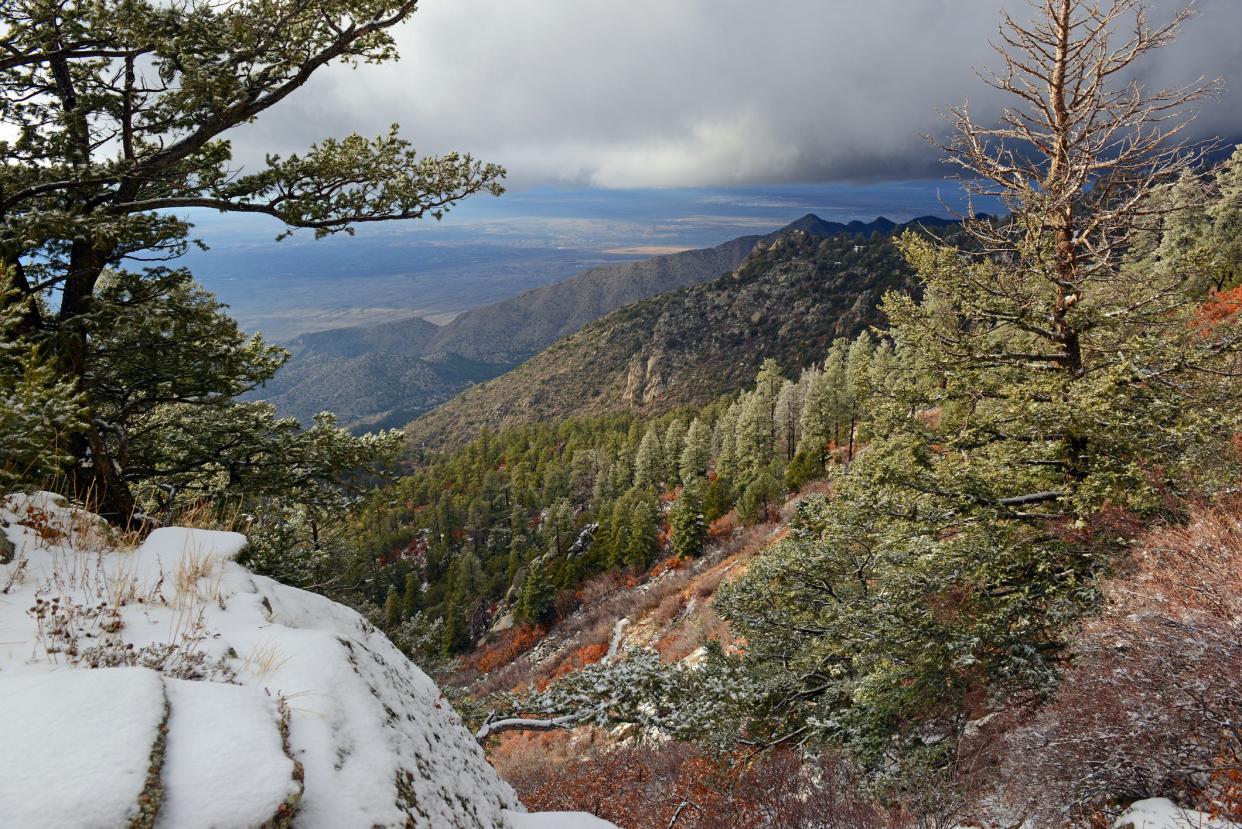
<point x="1159" y="813"/>
<point x="168" y="686"/>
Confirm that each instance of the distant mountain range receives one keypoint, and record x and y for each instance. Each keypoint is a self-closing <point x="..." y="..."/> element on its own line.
<point x="387" y="374"/>
<point x="792" y="295"/>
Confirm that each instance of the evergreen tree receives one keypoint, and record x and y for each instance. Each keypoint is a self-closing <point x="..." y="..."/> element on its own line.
<point x="649" y="463"/>
<point x="558" y="527"/>
<point x="788" y="413"/>
<point x="725" y="440"/>
<point x="39" y="409"/>
<point x="191" y="83"/>
<point x="857" y="361"/>
<point x="1066" y="369"/>
<point x="825" y="403"/>
<point x="756" y="424"/>
<point x="618" y="524"/>
<point x="538" y="594"/>
<point x="674" y="445"/>
<point x="392" y="609"/>
<point x="464" y="616"/>
<point x="410" y="597"/>
<point x="719" y="498"/>
<point x="760" y="496"/>
<point x="697" y="453"/>
<point x="641" y="539"/>
<point x="687" y="522"/>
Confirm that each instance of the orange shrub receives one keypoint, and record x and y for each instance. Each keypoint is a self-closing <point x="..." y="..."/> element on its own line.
<point x="580" y="658"/>
<point x="512" y="644"/>
<point x="1217" y="308"/>
<point x="723" y="526"/>
<point x="663" y="566"/>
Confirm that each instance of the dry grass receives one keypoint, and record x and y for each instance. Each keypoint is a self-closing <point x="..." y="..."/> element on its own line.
<point x="263" y="661"/>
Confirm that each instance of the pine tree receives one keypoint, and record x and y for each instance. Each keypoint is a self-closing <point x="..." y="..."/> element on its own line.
<point x="39" y="409"/>
<point x="787" y="415"/>
<point x="725" y="440"/>
<point x="687" y="522"/>
<point x="674" y="445"/>
<point x="1224" y="211"/>
<point x="824" y="408"/>
<point x="618" y="523"/>
<point x="558" y="528"/>
<point x="1065" y="369"/>
<point x="411" y="596"/>
<point x="857" y="361"/>
<point x="759" y="497"/>
<point x="718" y="499"/>
<point x="697" y="453"/>
<point x="463" y="619"/>
<point x="641" y="533"/>
<point x="538" y="594"/>
<point x="649" y="463"/>
<point x="392" y="609"/>
<point x="188" y="90"/>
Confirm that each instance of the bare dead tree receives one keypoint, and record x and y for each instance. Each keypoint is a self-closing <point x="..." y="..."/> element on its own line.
<point x="1083" y="147"/>
<point x="1086" y="159"/>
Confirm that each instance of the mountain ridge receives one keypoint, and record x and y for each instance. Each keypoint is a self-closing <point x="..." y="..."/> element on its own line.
<point x="385" y="375"/>
<point x="792" y="295"/>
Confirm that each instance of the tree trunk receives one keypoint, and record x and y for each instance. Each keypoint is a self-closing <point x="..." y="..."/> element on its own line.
<point x="97" y="478"/>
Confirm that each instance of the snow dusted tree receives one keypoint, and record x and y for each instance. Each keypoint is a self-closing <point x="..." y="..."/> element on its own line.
<point x="725" y="440"/>
<point x="857" y="361"/>
<point x="697" y="453"/>
<point x="118" y="118"/>
<point x="822" y="410"/>
<point x="788" y="414"/>
<point x="709" y="704"/>
<point x="1066" y="370"/>
<point x="392" y="608"/>
<point x="673" y="444"/>
<point x="39" y="408"/>
<point x="756" y="425"/>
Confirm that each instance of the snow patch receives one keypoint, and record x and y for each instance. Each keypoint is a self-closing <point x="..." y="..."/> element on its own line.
<point x="259" y="684"/>
<point x="224" y="738"/>
<point x="79" y="745"/>
<point x="1160" y="813"/>
<point x="557" y="820"/>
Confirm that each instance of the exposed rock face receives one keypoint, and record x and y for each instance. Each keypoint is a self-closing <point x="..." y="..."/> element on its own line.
<point x="167" y="686"/>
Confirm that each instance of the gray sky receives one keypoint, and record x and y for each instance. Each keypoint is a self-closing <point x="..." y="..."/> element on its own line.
<point x="701" y="92"/>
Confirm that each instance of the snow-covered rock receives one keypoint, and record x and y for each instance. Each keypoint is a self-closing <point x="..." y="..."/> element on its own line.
<point x="1159" y="813"/>
<point x="168" y="686"/>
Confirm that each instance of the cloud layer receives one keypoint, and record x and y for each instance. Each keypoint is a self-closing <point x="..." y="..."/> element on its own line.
<point x="701" y="92"/>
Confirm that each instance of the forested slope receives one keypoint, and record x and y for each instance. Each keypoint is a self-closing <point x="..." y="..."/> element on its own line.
<point x="787" y="301"/>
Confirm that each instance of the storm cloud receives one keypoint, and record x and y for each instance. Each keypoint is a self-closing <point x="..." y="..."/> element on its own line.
<point x="703" y="92"/>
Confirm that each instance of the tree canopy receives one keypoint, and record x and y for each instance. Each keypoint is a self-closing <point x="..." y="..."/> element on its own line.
<point x="122" y="114"/>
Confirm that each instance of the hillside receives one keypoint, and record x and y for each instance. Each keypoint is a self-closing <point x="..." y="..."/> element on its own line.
<point x="790" y="298"/>
<point x="513" y="329"/>
<point x="385" y="375"/>
<point x="371" y="377"/>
